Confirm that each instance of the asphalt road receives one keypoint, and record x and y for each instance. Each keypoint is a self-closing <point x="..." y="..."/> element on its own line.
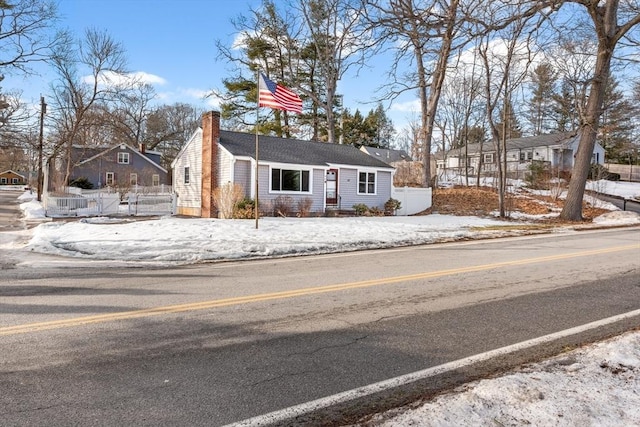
<point x="215" y="344"/>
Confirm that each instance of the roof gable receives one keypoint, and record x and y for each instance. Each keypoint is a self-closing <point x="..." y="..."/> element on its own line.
<point x="13" y="172"/>
<point x="122" y="147"/>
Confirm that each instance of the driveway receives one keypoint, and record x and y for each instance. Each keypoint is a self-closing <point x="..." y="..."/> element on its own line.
<point x="12" y="228"/>
<point x="10" y="215"/>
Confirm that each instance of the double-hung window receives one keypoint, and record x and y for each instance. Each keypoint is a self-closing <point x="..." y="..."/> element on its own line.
<point x="290" y="180"/>
<point x="367" y="183"/>
<point x="123" y="158"/>
<point x="187" y="178"/>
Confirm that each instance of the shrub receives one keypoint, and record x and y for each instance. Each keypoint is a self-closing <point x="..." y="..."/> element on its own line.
<point x="391" y="206"/>
<point x="304" y="206"/>
<point x="375" y="211"/>
<point x="282" y="206"/>
<point x="361" y="209"/>
<point x="245" y="209"/>
<point x="538" y="176"/>
<point x="81" y="182"/>
<point x="226" y="197"/>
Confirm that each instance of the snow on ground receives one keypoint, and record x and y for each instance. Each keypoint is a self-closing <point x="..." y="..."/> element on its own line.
<point x="188" y="240"/>
<point x="597" y="385"/>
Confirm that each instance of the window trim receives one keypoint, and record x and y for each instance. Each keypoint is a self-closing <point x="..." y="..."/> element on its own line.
<point x="367" y="173"/>
<point x="133" y="177"/>
<point x="301" y="170"/>
<point x="124" y="158"/>
<point x="186" y="175"/>
<point x="484" y="158"/>
<point x="155" y="180"/>
<point x="109" y="182"/>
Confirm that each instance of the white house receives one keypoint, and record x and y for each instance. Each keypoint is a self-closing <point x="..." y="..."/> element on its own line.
<point x="558" y="150"/>
<point x="332" y="176"/>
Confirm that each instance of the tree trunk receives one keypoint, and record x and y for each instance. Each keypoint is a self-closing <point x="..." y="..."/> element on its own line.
<point x="607" y="37"/>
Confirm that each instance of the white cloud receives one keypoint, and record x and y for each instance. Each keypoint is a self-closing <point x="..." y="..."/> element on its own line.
<point x="110" y="78"/>
<point x="407" y="107"/>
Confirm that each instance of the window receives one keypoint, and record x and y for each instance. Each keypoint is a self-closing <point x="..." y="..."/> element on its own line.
<point x="133" y="179"/>
<point x="15" y="180"/>
<point x="187" y="178"/>
<point x="487" y="158"/>
<point x="155" y="180"/>
<point x="123" y="158"/>
<point x="367" y="183"/>
<point x="3" y="180"/>
<point x="289" y="180"/>
<point x="110" y="178"/>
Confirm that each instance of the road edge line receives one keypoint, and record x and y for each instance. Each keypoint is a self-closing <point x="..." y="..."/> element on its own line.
<point x="282" y="415"/>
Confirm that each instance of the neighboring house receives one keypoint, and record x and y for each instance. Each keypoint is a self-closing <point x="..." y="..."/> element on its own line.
<point x="332" y="176"/>
<point x="557" y="150"/>
<point x="386" y="155"/>
<point x="10" y="177"/>
<point x="118" y="166"/>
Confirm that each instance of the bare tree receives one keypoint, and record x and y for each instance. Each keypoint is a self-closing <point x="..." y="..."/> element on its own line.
<point x="26" y="33"/>
<point x="130" y="113"/>
<point x="611" y="21"/>
<point x="506" y="55"/>
<point x="168" y="127"/>
<point x="427" y="32"/>
<point x="76" y="93"/>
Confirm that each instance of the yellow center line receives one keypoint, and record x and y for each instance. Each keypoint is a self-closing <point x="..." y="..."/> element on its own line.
<point x="203" y="305"/>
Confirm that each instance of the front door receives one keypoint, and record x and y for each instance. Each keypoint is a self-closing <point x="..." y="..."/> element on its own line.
<point x="332" y="187"/>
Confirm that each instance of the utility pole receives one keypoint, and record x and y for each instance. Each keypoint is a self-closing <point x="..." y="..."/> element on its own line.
<point x="43" y="110"/>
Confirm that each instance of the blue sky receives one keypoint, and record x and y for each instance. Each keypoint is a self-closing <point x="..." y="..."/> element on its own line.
<point x="173" y="43"/>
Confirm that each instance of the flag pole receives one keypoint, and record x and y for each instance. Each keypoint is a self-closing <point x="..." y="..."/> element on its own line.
<point x="255" y="208"/>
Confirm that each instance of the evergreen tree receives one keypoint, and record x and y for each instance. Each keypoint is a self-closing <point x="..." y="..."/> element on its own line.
<point x="564" y="109"/>
<point x="617" y="123"/>
<point x="266" y="47"/>
<point x="379" y="129"/>
<point x="512" y="127"/>
<point x="540" y="112"/>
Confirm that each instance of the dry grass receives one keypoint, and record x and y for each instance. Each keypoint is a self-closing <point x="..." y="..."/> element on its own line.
<point x="484" y="200"/>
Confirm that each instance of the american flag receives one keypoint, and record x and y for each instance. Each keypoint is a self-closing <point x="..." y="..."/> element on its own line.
<point x="271" y="94"/>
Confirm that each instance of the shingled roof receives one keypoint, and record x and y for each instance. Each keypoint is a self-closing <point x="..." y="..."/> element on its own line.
<point x="524" y="143"/>
<point x="295" y="151"/>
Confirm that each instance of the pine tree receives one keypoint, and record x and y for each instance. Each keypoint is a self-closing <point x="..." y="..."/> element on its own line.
<point x="564" y="109"/>
<point x="540" y="113"/>
<point x="616" y="128"/>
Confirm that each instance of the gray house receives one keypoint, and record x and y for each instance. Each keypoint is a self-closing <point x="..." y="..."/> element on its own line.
<point x="331" y="176"/>
<point x="118" y="166"/>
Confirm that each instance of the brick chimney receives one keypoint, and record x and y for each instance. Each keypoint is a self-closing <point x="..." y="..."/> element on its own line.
<point x="210" y="138"/>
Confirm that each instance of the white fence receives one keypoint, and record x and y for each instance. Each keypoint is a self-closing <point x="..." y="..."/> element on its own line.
<point x="149" y="204"/>
<point x="92" y="203"/>
<point x="412" y="200"/>
<point x="627" y="172"/>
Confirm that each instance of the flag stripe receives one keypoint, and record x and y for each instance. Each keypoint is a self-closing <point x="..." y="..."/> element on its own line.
<point x="279" y="97"/>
